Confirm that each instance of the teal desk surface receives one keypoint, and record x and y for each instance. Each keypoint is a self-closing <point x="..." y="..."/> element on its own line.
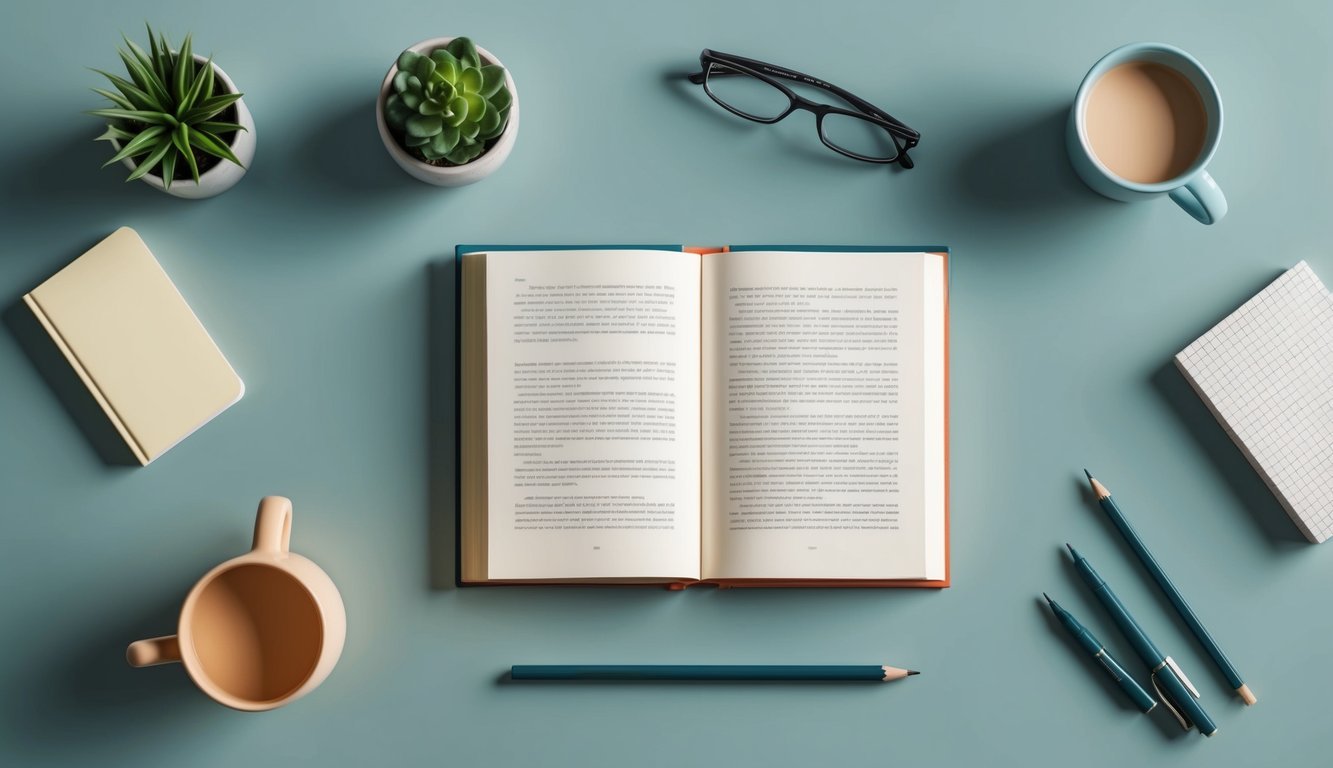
<point x="313" y="274"/>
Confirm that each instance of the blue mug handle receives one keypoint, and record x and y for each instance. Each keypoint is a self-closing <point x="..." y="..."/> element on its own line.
<point x="1201" y="198"/>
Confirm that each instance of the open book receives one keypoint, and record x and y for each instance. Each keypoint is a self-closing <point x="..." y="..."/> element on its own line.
<point x="741" y="417"/>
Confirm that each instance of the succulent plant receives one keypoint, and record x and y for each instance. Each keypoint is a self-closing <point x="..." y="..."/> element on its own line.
<point x="446" y="105"/>
<point x="167" y="112"/>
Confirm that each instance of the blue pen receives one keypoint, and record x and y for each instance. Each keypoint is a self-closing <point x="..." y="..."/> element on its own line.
<point x="1167" y="678"/>
<point x="1141" y="698"/>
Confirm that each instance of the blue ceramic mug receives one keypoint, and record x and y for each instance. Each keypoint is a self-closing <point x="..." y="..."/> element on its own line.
<point x="1192" y="189"/>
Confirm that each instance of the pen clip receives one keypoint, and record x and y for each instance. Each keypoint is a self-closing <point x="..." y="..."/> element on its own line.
<point x="1170" y="662"/>
<point x="1170" y="705"/>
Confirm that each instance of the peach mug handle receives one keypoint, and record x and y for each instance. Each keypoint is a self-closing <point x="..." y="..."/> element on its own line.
<point x="154" y="651"/>
<point x="273" y="534"/>
<point x="273" y="525"/>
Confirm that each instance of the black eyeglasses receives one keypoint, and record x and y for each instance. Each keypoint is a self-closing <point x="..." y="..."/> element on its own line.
<point x="748" y="88"/>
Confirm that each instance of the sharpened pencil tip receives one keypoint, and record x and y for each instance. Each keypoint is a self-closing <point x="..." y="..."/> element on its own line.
<point x="911" y="672"/>
<point x="1098" y="489"/>
<point x="1073" y="551"/>
<point x="1048" y="598"/>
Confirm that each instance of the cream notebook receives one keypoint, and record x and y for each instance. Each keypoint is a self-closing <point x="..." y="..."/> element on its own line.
<point x="136" y="345"/>
<point x="1266" y="373"/>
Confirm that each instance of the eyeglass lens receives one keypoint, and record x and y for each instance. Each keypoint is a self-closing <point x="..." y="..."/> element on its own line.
<point x="857" y="136"/>
<point x="742" y="93"/>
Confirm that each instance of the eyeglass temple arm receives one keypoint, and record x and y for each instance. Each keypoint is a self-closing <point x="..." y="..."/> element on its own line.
<point x="801" y="77"/>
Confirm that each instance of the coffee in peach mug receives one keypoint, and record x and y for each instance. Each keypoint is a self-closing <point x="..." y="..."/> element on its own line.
<point x="260" y="630"/>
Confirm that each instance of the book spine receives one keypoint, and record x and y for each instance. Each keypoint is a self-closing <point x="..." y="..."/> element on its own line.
<point x="87" y="380"/>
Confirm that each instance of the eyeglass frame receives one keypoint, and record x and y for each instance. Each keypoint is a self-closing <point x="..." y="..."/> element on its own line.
<point x="904" y="138"/>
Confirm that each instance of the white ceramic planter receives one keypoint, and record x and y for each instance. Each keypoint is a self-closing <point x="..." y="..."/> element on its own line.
<point x="454" y="175"/>
<point x="225" y="174"/>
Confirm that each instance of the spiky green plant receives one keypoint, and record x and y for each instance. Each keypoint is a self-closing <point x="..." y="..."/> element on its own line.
<point x="446" y="105"/>
<point x="166" y="113"/>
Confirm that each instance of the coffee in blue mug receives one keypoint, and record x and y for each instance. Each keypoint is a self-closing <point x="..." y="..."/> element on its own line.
<point x="1145" y="123"/>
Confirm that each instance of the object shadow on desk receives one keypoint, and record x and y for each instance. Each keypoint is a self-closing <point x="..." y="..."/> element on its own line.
<point x="1019" y="174"/>
<point x="65" y="384"/>
<point x="442" y="423"/>
<point x="82" y="699"/>
<point x="693" y="99"/>
<point x="64" y="173"/>
<point x="1233" y="469"/>
<point x="347" y="163"/>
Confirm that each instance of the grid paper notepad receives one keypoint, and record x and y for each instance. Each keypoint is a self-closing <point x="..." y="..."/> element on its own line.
<point x="1266" y="373"/>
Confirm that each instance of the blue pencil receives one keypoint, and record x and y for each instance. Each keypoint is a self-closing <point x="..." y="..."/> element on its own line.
<point x="1183" y="608"/>
<point x="877" y="673"/>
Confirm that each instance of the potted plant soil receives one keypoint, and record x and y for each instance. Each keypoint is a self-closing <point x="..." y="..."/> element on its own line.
<point x="178" y="122"/>
<point x="448" y="112"/>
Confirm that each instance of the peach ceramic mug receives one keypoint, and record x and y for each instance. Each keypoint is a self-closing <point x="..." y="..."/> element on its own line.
<point x="259" y="630"/>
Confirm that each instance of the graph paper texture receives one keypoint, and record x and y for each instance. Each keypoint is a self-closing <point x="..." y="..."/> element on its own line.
<point x="1266" y="373"/>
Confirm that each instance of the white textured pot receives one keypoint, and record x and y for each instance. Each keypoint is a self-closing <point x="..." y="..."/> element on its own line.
<point x="448" y="175"/>
<point x="225" y="174"/>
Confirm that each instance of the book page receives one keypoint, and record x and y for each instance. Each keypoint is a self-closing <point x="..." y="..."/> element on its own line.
<point x="593" y="414"/>
<point x="823" y="416"/>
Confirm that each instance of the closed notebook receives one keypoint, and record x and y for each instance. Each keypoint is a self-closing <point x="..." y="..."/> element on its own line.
<point x="135" y="344"/>
<point x="1266" y="373"/>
